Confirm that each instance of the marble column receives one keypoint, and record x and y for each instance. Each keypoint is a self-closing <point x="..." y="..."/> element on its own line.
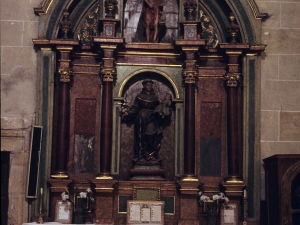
<point x="232" y="82"/>
<point x="63" y="123"/>
<point x="108" y="72"/>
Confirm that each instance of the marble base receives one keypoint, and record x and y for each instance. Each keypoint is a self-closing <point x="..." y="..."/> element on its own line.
<point x="153" y="172"/>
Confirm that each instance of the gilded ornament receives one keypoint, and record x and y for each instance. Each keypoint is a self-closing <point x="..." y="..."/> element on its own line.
<point x="108" y="74"/>
<point x="64" y="74"/>
<point x="189" y="76"/>
<point x="232" y="79"/>
<point x="207" y="30"/>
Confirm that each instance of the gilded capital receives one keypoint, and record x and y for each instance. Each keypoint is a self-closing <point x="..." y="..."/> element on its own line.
<point x="65" y="74"/>
<point x="232" y="79"/>
<point x="189" y="76"/>
<point x="108" y="74"/>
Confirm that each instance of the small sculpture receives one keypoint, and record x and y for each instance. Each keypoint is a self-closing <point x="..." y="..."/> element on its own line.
<point x="233" y="28"/>
<point x="65" y="24"/>
<point x="110" y="8"/>
<point x="190" y="7"/>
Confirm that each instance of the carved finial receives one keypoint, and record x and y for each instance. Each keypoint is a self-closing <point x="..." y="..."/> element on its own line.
<point x="233" y="28"/>
<point x="190" y="7"/>
<point x="110" y="8"/>
<point x="65" y="24"/>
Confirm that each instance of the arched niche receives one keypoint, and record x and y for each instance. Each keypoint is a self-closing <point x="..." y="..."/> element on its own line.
<point x="170" y="150"/>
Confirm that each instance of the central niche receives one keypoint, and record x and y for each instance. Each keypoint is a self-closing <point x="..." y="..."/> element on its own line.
<point x="161" y="86"/>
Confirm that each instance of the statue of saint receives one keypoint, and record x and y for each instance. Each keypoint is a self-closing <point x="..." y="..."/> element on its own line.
<point x="150" y="15"/>
<point x="147" y="111"/>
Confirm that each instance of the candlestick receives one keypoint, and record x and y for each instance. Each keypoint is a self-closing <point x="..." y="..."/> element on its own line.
<point x="245" y="193"/>
<point x="40" y="219"/>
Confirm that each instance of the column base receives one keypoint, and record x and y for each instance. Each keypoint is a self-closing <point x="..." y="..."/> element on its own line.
<point x="60" y="175"/>
<point x="104" y="176"/>
<point x="233" y="179"/>
<point x="189" y="177"/>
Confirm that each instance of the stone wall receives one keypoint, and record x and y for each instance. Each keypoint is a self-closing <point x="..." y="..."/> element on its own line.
<point x="18" y="96"/>
<point x="280" y="83"/>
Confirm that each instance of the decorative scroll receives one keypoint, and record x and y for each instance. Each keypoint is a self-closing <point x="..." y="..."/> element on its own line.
<point x="89" y="28"/>
<point x="207" y="30"/>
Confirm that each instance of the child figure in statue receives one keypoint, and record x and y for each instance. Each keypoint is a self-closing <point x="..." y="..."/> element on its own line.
<point x="163" y="109"/>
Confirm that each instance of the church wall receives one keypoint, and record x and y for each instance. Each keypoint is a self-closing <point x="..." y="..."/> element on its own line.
<point x="18" y="97"/>
<point x="280" y="81"/>
<point x="280" y="92"/>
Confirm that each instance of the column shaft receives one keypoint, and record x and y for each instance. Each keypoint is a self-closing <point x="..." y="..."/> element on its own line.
<point x="106" y="128"/>
<point x="189" y="129"/>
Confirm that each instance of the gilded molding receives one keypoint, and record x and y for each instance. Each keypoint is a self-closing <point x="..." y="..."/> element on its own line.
<point x="150" y="64"/>
<point x="257" y="14"/>
<point x="149" y="70"/>
<point x="60" y="176"/>
<point x="45" y="7"/>
<point x="232" y="79"/>
<point x="108" y="74"/>
<point x="64" y="74"/>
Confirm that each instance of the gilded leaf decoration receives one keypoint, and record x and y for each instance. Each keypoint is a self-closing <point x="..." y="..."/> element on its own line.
<point x="89" y="27"/>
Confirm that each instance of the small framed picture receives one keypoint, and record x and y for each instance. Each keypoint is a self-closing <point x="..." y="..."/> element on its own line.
<point x="229" y="215"/>
<point x="63" y="211"/>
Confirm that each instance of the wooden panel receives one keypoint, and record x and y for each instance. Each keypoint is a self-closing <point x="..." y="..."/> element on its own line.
<point x="281" y="170"/>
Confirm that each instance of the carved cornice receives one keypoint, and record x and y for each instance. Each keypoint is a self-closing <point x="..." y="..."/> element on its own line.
<point x="257" y="14"/>
<point x="232" y="79"/>
<point x="44" y="8"/>
<point x="108" y="74"/>
<point x="64" y="74"/>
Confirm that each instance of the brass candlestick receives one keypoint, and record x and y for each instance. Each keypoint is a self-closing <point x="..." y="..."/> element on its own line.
<point x="245" y="207"/>
<point x="40" y="219"/>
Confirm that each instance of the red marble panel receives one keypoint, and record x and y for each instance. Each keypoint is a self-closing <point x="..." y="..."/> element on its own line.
<point x="85" y="116"/>
<point x="211" y="122"/>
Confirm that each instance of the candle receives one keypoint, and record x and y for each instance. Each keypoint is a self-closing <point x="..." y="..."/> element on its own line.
<point x="41" y="191"/>
<point x="245" y="193"/>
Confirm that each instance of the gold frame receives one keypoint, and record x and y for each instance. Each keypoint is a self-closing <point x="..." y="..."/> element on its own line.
<point x="68" y="207"/>
<point x="136" y="189"/>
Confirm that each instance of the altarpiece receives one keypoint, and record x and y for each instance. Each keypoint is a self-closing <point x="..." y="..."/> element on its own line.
<point x="94" y="58"/>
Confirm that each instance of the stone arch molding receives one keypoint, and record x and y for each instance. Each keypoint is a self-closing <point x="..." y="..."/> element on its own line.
<point x="213" y="14"/>
<point x="149" y="70"/>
